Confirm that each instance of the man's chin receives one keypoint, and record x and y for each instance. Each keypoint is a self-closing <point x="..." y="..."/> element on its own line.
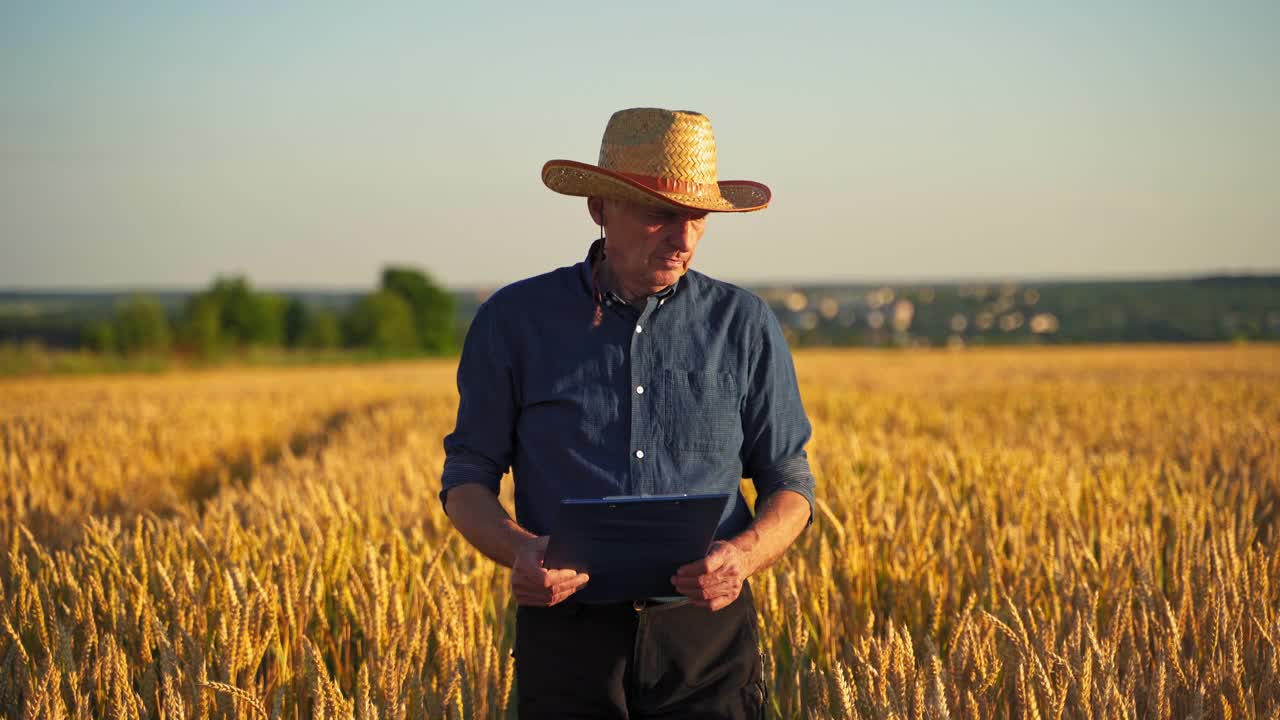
<point x="664" y="278"/>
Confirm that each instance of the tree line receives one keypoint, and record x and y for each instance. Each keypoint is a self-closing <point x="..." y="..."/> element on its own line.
<point x="408" y="314"/>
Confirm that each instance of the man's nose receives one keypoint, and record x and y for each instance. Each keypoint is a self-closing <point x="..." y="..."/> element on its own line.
<point x="683" y="235"/>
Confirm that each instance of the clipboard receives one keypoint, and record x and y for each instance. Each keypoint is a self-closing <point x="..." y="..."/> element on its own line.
<point x="632" y="545"/>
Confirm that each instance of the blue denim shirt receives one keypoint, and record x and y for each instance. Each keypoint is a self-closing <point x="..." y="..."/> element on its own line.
<point x="688" y="395"/>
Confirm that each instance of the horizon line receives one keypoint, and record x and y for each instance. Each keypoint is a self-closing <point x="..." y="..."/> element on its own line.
<point x="793" y="282"/>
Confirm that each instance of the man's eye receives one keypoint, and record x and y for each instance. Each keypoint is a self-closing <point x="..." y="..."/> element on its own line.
<point x="666" y="217"/>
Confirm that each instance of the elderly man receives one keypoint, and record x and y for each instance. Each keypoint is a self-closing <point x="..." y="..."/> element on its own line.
<point x="630" y="374"/>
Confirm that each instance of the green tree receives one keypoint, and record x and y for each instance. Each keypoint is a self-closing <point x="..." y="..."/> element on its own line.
<point x="432" y="307"/>
<point x="101" y="337"/>
<point x="296" y="315"/>
<point x="310" y="327"/>
<point x="383" y="321"/>
<point x="230" y="313"/>
<point x="321" y="330"/>
<point x="202" y="325"/>
<point x="248" y="317"/>
<point x="140" y="325"/>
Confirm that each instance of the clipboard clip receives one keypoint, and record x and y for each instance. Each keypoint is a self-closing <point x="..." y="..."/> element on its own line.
<point x="625" y="498"/>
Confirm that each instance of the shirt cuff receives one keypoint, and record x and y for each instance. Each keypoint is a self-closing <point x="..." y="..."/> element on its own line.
<point x="463" y="469"/>
<point x="790" y="474"/>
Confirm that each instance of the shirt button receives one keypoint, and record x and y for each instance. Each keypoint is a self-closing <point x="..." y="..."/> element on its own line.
<point x="639" y="389"/>
<point x="639" y="329"/>
<point x="639" y="454"/>
<point x="662" y="301"/>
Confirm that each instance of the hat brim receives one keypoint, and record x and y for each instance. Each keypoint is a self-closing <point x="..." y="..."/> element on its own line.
<point x="569" y="177"/>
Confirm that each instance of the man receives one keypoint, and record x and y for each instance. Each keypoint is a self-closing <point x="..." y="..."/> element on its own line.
<point x="629" y="374"/>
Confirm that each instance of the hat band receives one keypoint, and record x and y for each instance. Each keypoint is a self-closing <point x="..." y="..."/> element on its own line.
<point x="664" y="184"/>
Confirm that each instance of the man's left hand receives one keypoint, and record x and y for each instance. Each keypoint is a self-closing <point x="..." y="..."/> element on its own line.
<point x="716" y="580"/>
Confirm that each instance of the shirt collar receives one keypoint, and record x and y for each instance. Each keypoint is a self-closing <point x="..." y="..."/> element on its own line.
<point x="593" y="256"/>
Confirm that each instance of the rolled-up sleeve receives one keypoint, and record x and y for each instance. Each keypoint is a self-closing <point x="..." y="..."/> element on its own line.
<point x="774" y="424"/>
<point x="479" y="450"/>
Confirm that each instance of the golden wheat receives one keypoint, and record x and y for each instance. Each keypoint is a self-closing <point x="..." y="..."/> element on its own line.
<point x="1066" y="533"/>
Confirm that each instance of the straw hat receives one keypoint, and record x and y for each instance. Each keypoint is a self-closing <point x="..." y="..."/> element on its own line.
<point x="657" y="157"/>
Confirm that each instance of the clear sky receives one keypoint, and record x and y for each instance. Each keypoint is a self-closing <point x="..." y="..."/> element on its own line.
<point x="307" y="144"/>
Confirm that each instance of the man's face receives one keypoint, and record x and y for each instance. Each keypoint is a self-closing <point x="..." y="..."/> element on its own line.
<point x="648" y="248"/>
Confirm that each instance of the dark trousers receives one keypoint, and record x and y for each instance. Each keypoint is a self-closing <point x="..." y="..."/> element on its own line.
<point x="639" y="660"/>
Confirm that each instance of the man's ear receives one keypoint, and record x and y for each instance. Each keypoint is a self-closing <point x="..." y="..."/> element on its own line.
<point x="595" y="206"/>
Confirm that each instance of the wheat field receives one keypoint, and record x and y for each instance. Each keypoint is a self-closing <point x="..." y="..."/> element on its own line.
<point x="1030" y="533"/>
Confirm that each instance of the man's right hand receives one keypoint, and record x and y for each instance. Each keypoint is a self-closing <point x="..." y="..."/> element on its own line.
<point x="537" y="586"/>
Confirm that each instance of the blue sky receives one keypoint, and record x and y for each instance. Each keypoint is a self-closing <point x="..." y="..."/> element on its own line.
<point x="307" y="144"/>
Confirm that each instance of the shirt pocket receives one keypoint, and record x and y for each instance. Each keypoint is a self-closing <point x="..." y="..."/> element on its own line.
<point x="701" y="411"/>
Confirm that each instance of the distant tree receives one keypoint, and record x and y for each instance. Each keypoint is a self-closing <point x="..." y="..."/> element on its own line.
<point x="296" y="315"/>
<point x="100" y="337"/>
<point x="140" y="325"/>
<point x="248" y="317"/>
<point x="231" y="313"/>
<point x="202" y="325"/>
<point x="309" y="327"/>
<point x="321" y="330"/>
<point x="432" y="306"/>
<point x="383" y="321"/>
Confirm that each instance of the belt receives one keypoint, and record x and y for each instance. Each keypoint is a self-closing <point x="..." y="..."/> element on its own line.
<point x="657" y="602"/>
<point x="571" y="607"/>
